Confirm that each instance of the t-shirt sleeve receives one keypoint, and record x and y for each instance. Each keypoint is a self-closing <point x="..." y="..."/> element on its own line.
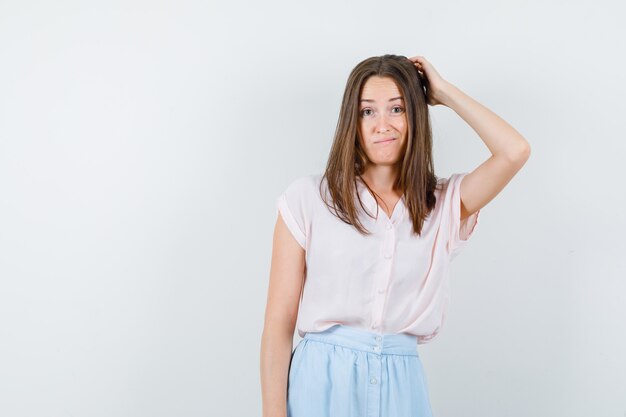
<point x="459" y="231"/>
<point x="294" y="207"/>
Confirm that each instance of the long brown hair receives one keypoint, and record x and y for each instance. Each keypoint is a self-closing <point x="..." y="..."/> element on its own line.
<point x="347" y="159"/>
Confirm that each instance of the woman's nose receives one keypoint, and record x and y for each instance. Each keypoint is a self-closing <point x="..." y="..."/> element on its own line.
<point x="382" y="125"/>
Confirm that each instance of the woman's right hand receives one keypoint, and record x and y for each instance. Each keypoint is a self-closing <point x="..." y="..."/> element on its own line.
<point x="434" y="83"/>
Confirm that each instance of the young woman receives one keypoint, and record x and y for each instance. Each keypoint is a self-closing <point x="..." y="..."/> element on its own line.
<point x="361" y="253"/>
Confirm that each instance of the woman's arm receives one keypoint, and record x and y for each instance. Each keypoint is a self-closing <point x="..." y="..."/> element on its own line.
<point x="500" y="137"/>
<point x="283" y="298"/>
<point x="509" y="149"/>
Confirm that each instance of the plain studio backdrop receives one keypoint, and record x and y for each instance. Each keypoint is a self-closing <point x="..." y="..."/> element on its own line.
<point x="143" y="146"/>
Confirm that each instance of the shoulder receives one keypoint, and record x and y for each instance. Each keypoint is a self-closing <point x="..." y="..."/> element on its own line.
<point x="448" y="184"/>
<point x="304" y="188"/>
<point x="304" y="183"/>
<point x="447" y="191"/>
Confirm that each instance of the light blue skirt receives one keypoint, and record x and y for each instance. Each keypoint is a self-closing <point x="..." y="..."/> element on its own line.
<point x="349" y="372"/>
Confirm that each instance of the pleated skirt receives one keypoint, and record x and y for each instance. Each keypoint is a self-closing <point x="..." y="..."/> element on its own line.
<point x="349" y="372"/>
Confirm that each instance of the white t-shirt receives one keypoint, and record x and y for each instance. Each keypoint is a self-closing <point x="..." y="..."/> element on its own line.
<point x="391" y="281"/>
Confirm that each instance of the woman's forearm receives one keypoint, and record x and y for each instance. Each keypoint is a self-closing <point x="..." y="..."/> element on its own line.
<point x="276" y="347"/>
<point x="500" y="137"/>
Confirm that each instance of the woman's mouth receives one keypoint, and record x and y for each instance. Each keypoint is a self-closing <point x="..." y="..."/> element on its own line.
<point x="386" y="140"/>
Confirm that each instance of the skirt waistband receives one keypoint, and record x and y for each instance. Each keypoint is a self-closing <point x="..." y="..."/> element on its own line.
<point x="355" y="338"/>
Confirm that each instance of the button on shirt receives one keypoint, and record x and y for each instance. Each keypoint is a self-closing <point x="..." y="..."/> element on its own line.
<point x="391" y="281"/>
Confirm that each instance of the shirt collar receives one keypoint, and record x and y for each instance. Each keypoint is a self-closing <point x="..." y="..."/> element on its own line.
<point x="371" y="204"/>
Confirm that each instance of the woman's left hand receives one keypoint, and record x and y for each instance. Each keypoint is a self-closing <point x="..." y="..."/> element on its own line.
<point x="435" y="84"/>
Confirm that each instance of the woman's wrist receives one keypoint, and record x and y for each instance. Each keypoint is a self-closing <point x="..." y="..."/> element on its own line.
<point x="447" y="94"/>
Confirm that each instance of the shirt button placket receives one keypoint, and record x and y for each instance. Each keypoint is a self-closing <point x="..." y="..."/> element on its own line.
<point x="389" y="242"/>
<point x="387" y="251"/>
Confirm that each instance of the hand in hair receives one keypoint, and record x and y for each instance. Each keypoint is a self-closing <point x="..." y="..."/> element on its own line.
<point x="433" y="82"/>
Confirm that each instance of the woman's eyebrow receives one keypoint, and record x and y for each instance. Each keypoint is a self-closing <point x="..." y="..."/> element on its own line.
<point x="391" y="99"/>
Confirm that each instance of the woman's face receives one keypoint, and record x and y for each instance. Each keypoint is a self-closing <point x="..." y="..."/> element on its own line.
<point x="382" y="121"/>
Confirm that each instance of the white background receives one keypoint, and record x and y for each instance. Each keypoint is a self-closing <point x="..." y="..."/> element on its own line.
<point x="142" y="148"/>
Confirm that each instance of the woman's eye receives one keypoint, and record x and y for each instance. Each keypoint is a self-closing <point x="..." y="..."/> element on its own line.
<point x="399" y="108"/>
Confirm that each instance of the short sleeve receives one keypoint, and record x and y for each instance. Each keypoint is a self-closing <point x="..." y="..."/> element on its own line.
<point x="459" y="231"/>
<point x="294" y="206"/>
